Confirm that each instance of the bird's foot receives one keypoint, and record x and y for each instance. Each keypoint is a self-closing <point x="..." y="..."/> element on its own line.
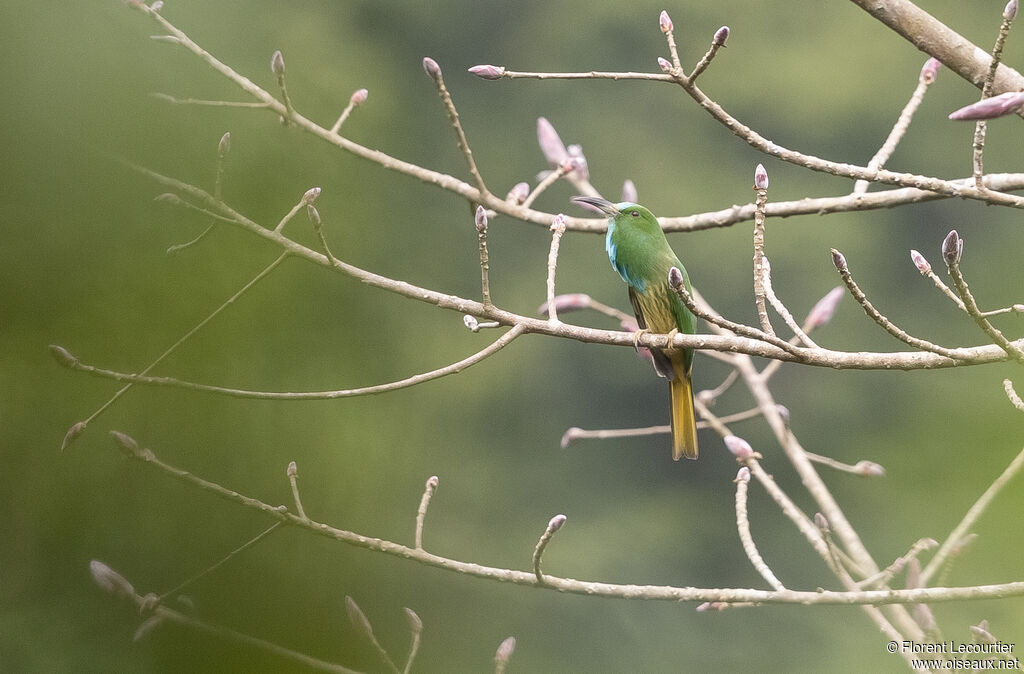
<point x="670" y="337"/>
<point x="637" y="335"/>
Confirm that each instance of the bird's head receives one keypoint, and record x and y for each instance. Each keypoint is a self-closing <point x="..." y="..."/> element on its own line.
<point x="625" y="213"/>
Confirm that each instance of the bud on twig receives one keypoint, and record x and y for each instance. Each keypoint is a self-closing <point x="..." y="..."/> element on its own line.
<point x="518" y="193"/>
<point x="839" y="260"/>
<point x="550" y="144"/>
<point x="431" y="68"/>
<point x="125" y="441"/>
<point x="989" y="108"/>
<point x="313" y="214"/>
<point x="504" y="654"/>
<point x="579" y="161"/>
<point x="277" y="63"/>
<point x="821" y="522"/>
<point x="743" y="475"/>
<point x="72" y="434"/>
<point x="471" y="322"/>
<point x="675" y="278"/>
<point x="481" y="219"/>
<point x="311" y="195"/>
<point x="109" y="580"/>
<point x="760" y="178"/>
<point x="952" y="248"/>
<point x="556" y="523"/>
<point x="665" y="21"/>
<point x="930" y="70"/>
<point x="664" y="64"/>
<point x="739" y="447"/>
<point x="721" y="35"/>
<point x="62" y="356"/>
<point x="869" y="469"/>
<point x="488" y="72"/>
<point x="224" y="146"/>
<point x="1010" y="11"/>
<point x="919" y="262"/>
<point x="821" y="313"/>
<point x="359" y="97"/>
<point x="358" y="618"/>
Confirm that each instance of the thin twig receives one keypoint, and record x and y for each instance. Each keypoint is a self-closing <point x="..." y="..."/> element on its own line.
<point x="205" y="572"/>
<point x="421" y="511"/>
<point x="717" y="42"/>
<point x="743" y="528"/>
<point x="550" y="179"/>
<point x="293" y="480"/>
<point x="649" y="592"/>
<point x="761" y="192"/>
<point x="188" y="335"/>
<point x="557" y="230"/>
<point x="573" y="434"/>
<point x="960" y="284"/>
<point x="865" y="468"/>
<point x="877" y="317"/>
<point x="481" y="235"/>
<point x="972" y="516"/>
<point x="1011" y="393"/>
<point x="883" y="577"/>
<point x="787" y="316"/>
<point x="899" y="129"/>
<point x="434" y="71"/>
<point x="453" y="368"/>
<point x="196" y="101"/>
<point x="554" y="525"/>
<point x="986" y="91"/>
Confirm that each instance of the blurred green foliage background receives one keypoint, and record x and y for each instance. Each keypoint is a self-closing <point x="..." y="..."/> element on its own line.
<point x="83" y="264"/>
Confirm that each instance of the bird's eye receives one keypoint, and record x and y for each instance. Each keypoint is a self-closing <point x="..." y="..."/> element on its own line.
<point x="635" y="214"/>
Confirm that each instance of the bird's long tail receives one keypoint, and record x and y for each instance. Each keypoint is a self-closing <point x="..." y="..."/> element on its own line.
<point x="684" y="425"/>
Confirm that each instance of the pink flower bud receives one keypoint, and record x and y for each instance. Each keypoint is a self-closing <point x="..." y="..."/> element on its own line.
<point x="821" y="313"/>
<point x="664" y="64"/>
<point x="919" y="262"/>
<point x="311" y="195"/>
<point x="481" y="219"/>
<point x="488" y="72"/>
<point x="518" y="193"/>
<point x="721" y="35"/>
<point x="821" y="522"/>
<point x="629" y="191"/>
<point x="579" y="161"/>
<point x="839" y="260"/>
<point x="989" y="108"/>
<point x="952" y="248"/>
<point x="739" y="447"/>
<point x="930" y="70"/>
<point x="550" y="144"/>
<point x="504" y="652"/>
<point x="665" y="21"/>
<point x="558" y="224"/>
<point x="431" y="68"/>
<point x="743" y="475"/>
<point x="869" y="469"/>
<point x="359" y="97"/>
<point x="1010" y="11"/>
<point x="556" y="523"/>
<point x="760" y="178"/>
<point x="277" y="63"/>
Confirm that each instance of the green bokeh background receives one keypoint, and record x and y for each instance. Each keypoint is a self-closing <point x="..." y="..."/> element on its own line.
<point x="83" y="264"/>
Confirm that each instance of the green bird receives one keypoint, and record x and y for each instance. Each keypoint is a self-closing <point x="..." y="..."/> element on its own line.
<point x="639" y="252"/>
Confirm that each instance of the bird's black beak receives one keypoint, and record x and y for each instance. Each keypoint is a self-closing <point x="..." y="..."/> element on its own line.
<point x="598" y="204"/>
